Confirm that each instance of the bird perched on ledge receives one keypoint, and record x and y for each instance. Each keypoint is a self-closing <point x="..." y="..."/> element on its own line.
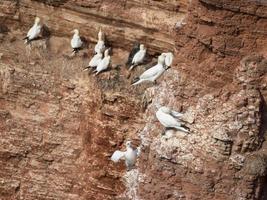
<point x="95" y="60"/>
<point x="76" y="42"/>
<point x="134" y="50"/>
<point x="34" y="32"/>
<point x="104" y="63"/>
<point x="100" y="45"/>
<point x="153" y="73"/>
<point x="167" y="118"/>
<point x="130" y="155"/>
<point x="138" y="57"/>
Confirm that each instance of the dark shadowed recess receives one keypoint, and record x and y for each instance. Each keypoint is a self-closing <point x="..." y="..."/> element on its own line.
<point x="3" y="28"/>
<point x="263" y="127"/>
<point x="264" y="190"/>
<point x="55" y="3"/>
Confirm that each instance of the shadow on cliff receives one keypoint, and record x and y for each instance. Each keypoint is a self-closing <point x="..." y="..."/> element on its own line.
<point x="263" y="126"/>
<point x="55" y="3"/>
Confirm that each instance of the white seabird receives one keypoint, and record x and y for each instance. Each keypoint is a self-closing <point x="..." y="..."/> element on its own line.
<point x="76" y="42"/>
<point x="34" y="32"/>
<point x="138" y="57"/>
<point x="130" y="155"/>
<point x="153" y="73"/>
<point x="104" y="63"/>
<point x="134" y="50"/>
<point x="100" y="45"/>
<point x="168" y="59"/>
<point x="167" y="118"/>
<point x="95" y="60"/>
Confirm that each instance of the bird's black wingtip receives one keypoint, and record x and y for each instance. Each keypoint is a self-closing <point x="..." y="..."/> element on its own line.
<point x="135" y="80"/>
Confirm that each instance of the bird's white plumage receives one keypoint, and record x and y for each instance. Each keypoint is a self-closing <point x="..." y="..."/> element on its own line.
<point x="104" y="63"/>
<point x="117" y="155"/>
<point x="76" y="41"/>
<point x="168" y="59"/>
<point x="35" y="30"/>
<point x="130" y="155"/>
<point x="138" y="57"/>
<point x="165" y="117"/>
<point x="167" y="120"/>
<point x="100" y="45"/>
<point x="167" y="110"/>
<point x="176" y="114"/>
<point x="153" y="73"/>
<point x="95" y="60"/>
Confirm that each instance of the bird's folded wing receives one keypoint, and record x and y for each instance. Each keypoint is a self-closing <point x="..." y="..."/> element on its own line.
<point x="169" y="120"/>
<point x="117" y="155"/>
<point x="106" y="62"/>
<point x="132" y="53"/>
<point x="30" y="32"/>
<point x="80" y="43"/>
<point x="136" y="56"/>
<point x="150" y="73"/>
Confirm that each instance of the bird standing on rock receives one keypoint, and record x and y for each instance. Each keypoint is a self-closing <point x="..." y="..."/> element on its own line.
<point x="138" y="57"/>
<point x="76" y="42"/>
<point x="34" y="32"/>
<point x="167" y="118"/>
<point x="153" y="73"/>
<point x="95" y="60"/>
<point x="100" y="45"/>
<point x="130" y="155"/>
<point x="134" y="50"/>
<point x="104" y="63"/>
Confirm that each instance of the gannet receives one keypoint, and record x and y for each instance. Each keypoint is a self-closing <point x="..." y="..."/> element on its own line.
<point x="95" y="60"/>
<point x="34" y="32"/>
<point x="167" y="118"/>
<point x="138" y="57"/>
<point x="100" y="45"/>
<point x="134" y="50"/>
<point x="168" y="59"/>
<point x="76" y="42"/>
<point x="153" y="73"/>
<point x="104" y="63"/>
<point x="130" y="155"/>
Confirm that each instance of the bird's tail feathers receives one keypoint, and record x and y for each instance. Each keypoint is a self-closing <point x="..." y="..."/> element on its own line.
<point x="27" y="40"/>
<point x="131" y="67"/>
<point x="182" y="129"/>
<point x="136" y="81"/>
<point x="86" y="68"/>
<point x="97" y="72"/>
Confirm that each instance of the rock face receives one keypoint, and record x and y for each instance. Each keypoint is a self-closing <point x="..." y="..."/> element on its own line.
<point x="59" y="125"/>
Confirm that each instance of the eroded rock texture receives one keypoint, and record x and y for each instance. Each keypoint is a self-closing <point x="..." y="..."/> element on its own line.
<point x="59" y="126"/>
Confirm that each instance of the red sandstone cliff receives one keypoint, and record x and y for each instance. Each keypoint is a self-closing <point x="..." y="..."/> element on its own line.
<point x="59" y="126"/>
